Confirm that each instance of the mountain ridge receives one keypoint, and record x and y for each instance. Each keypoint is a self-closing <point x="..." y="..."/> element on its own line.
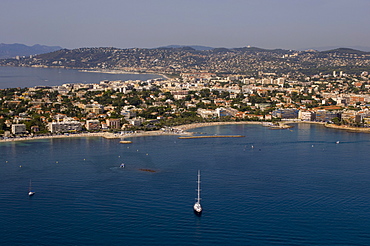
<point x="17" y="49"/>
<point x="245" y="60"/>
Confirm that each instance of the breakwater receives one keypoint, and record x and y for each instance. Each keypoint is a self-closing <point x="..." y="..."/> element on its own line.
<point x="215" y="136"/>
<point x="125" y="142"/>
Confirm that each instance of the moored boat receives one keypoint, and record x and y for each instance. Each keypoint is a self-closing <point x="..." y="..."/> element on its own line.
<point x="30" y="191"/>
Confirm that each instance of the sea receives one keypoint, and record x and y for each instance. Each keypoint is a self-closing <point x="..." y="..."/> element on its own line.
<point x="13" y="77"/>
<point x="307" y="185"/>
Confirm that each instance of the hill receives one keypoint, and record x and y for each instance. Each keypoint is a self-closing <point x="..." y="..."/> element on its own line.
<point x="246" y="60"/>
<point x="13" y="50"/>
<point x="196" y="47"/>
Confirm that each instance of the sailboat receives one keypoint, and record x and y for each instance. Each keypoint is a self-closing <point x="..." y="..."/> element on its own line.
<point x="30" y="191"/>
<point x="197" y="207"/>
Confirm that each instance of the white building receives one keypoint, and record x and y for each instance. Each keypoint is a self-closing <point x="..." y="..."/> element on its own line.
<point x="136" y="121"/>
<point x="207" y="113"/>
<point x="66" y="126"/>
<point x="306" y="115"/>
<point x="18" y="129"/>
<point x="222" y="112"/>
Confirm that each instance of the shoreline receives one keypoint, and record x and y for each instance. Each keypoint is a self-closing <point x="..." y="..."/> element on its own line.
<point x="348" y="128"/>
<point x="197" y="125"/>
<point x="106" y="135"/>
<point x="178" y="131"/>
<point x="182" y="130"/>
<point x="120" y="72"/>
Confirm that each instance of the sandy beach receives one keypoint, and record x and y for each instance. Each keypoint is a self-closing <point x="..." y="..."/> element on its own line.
<point x="99" y="134"/>
<point x="177" y="130"/>
<point x="106" y="135"/>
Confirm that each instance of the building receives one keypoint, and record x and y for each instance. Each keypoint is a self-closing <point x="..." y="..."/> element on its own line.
<point x="306" y="115"/>
<point x="206" y="113"/>
<point x="128" y="112"/>
<point x="325" y="116"/>
<point x="92" y="125"/>
<point x="178" y="95"/>
<point x="222" y="112"/>
<point x="285" y="113"/>
<point x="18" y="129"/>
<point x="94" y="108"/>
<point x="136" y="121"/>
<point x="113" y="123"/>
<point x="65" y="126"/>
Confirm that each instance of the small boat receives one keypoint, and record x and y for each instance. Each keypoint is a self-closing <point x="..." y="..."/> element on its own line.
<point x="122" y="165"/>
<point x="337" y="142"/>
<point x="197" y="207"/>
<point x="30" y="191"/>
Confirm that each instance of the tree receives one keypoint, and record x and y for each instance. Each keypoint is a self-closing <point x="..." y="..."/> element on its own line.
<point x="336" y="121"/>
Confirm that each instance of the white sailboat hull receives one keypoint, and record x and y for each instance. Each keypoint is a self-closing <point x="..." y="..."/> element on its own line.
<point x="197" y="208"/>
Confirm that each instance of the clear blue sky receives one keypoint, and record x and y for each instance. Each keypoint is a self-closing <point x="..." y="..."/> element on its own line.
<point x="287" y="24"/>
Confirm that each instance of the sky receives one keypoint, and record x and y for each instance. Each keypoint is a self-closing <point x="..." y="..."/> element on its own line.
<point x="270" y="24"/>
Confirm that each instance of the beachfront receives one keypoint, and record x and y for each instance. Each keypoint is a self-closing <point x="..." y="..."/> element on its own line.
<point x="177" y="130"/>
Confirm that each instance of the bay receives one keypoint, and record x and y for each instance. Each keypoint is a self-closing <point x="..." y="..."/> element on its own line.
<point x="272" y="187"/>
<point x="13" y="77"/>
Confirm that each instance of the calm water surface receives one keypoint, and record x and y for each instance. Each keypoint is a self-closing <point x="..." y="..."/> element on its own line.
<point x="12" y="77"/>
<point x="294" y="187"/>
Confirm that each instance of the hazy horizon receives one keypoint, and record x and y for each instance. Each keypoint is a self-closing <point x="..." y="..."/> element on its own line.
<point x="269" y="24"/>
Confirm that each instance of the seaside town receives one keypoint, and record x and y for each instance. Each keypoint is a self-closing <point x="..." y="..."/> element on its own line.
<point x="160" y="104"/>
<point x="197" y="86"/>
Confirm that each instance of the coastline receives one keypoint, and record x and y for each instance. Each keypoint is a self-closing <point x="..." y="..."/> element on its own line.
<point x="81" y="135"/>
<point x="197" y="125"/>
<point x="182" y="130"/>
<point x="348" y="128"/>
<point x="106" y="135"/>
<point x="177" y="131"/>
<point x="120" y="72"/>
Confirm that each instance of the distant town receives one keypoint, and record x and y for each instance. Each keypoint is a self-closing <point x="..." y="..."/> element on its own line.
<point x="308" y="86"/>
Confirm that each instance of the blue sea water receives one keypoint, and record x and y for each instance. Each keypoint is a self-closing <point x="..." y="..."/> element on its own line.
<point x="12" y="77"/>
<point x="293" y="187"/>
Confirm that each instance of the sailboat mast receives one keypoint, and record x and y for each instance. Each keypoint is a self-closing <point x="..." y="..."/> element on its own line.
<point x="198" y="186"/>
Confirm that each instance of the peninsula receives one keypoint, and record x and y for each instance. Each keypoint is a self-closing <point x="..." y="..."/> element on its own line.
<point x="220" y="85"/>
